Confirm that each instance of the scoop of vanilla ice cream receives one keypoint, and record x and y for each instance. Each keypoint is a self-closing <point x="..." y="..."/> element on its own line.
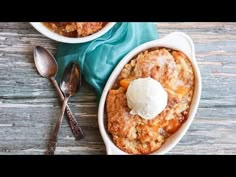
<point x="146" y="97"/>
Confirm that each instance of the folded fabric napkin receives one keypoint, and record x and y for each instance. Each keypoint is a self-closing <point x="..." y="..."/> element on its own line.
<point x="99" y="57"/>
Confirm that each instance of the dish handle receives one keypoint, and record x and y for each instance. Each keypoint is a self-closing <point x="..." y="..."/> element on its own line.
<point x="180" y="41"/>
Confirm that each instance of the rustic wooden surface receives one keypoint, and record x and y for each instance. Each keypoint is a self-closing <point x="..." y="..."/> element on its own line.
<point x="29" y="104"/>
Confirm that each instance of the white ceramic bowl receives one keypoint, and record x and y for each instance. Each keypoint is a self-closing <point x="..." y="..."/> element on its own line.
<point x="57" y="37"/>
<point x="178" y="41"/>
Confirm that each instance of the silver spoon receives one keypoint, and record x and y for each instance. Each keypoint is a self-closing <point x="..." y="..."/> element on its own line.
<point x="47" y="67"/>
<point x="70" y="84"/>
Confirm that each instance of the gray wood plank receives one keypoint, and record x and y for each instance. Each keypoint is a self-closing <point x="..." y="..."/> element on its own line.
<point x="29" y="104"/>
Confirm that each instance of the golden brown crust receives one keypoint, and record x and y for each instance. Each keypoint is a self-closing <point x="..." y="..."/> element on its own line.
<point x="75" y="29"/>
<point x="133" y="134"/>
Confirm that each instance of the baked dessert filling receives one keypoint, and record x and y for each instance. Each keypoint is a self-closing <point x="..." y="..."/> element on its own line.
<point x="75" y="29"/>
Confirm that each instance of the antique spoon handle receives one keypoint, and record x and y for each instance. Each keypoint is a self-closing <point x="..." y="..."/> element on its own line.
<point x="53" y="141"/>
<point x="76" y="129"/>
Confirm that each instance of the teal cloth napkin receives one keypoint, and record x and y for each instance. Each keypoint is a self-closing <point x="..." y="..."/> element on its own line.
<point x="99" y="57"/>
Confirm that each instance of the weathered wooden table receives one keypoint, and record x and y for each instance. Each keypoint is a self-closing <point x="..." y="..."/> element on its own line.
<point x="29" y="105"/>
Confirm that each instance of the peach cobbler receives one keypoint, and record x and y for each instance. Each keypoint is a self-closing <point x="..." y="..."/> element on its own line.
<point x="131" y="132"/>
<point x="75" y="29"/>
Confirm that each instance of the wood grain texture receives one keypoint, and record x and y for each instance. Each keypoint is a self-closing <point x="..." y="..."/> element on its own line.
<point x="29" y="105"/>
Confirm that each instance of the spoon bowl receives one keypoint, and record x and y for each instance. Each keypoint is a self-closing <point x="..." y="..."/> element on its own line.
<point x="45" y="62"/>
<point x="71" y="80"/>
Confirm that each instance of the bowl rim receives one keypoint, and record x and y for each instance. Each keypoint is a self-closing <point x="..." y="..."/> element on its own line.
<point x="162" y="42"/>
<point x="60" y="38"/>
